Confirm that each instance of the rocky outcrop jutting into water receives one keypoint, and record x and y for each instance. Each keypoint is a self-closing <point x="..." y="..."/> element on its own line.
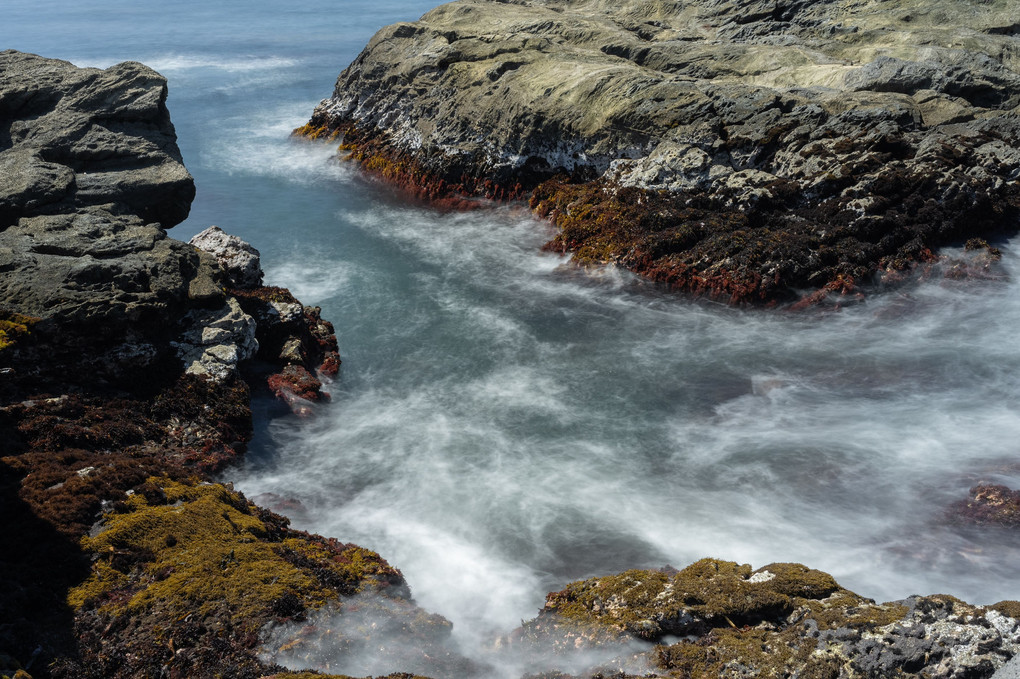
<point x="752" y="151"/>
<point x="127" y="361"/>
<point x="721" y="619"/>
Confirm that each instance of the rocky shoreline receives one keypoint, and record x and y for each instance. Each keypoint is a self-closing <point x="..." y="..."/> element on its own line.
<point x="129" y="360"/>
<point x="758" y="153"/>
<point x="128" y="364"/>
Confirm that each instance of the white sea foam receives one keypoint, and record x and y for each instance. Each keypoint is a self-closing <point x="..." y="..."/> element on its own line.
<point x="527" y="424"/>
<point x="311" y="278"/>
<point x="259" y="144"/>
<point x="172" y="63"/>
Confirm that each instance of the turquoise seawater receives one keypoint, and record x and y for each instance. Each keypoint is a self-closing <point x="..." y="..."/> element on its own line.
<point x="505" y="422"/>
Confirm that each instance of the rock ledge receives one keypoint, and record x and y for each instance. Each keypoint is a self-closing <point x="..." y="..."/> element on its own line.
<point x="756" y="152"/>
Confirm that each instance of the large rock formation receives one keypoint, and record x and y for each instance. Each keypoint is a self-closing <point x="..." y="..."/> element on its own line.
<point x="122" y="358"/>
<point x="91" y="179"/>
<point x="751" y="150"/>
<point x="721" y="619"/>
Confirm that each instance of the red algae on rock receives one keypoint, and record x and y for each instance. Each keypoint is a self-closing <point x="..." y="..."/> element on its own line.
<point x="443" y="187"/>
<point x="295" y="345"/>
<point x="988" y="505"/>
<point x="755" y="156"/>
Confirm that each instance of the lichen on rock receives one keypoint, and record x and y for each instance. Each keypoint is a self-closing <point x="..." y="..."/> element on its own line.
<point x="753" y="152"/>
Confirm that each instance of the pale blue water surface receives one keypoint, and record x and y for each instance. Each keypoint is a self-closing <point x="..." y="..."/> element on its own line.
<point x="505" y="422"/>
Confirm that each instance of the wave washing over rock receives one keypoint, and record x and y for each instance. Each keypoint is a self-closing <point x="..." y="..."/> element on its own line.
<point x="128" y="362"/>
<point x="755" y="152"/>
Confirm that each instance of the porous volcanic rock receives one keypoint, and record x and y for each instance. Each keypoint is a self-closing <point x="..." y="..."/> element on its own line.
<point x="751" y="150"/>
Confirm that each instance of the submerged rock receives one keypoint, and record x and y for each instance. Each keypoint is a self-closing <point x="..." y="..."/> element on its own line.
<point x="750" y="151"/>
<point x="988" y="505"/>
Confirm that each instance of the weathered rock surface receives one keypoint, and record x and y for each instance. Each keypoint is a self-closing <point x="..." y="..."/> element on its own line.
<point x="73" y="138"/>
<point x="93" y="178"/>
<point x="748" y="150"/>
<point x="239" y="259"/>
<point x="720" y="619"/>
<point x="123" y="354"/>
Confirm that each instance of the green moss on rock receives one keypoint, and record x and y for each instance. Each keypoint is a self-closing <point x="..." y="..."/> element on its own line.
<point x="14" y="327"/>
<point x="191" y="548"/>
<point x="709" y="593"/>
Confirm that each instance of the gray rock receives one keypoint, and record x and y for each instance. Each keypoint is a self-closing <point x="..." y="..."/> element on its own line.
<point x="81" y="137"/>
<point x="938" y="637"/>
<point x="1010" y="670"/>
<point x="90" y="179"/>
<point x="217" y="340"/>
<point x="814" y="118"/>
<point x="239" y="259"/>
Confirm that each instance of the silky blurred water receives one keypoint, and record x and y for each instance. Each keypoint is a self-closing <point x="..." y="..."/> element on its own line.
<point x="505" y="422"/>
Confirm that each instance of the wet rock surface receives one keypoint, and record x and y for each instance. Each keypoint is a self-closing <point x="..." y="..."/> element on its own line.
<point x="127" y="375"/>
<point x="754" y="152"/>
<point x="129" y="363"/>
<point x="988" y="505"/>
<point x="721" y="619"/>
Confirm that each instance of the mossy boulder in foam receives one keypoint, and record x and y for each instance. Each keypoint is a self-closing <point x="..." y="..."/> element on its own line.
<point x="211" y="576"/>
<point x="722" y="619"/>
<point x="764" y="150"/>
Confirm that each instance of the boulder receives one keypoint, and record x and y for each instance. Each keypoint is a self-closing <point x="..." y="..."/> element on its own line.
<point x="239" y="259"/>
<point x="90" y="179"/>
<point x="752" y="151"/>
<point x="86" y="137"/>
<point x="718" y="618"/>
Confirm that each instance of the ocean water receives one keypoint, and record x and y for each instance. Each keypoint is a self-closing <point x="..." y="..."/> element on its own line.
<point x="505" y="422"/>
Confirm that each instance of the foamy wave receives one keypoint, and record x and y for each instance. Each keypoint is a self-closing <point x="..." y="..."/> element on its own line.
<point x="261" y="145"/>
<point x="310" y="282"/>
<point x="175" y="63"/>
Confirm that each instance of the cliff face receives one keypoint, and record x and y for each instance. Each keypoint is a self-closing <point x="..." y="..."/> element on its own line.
<point x="748" y="150"/>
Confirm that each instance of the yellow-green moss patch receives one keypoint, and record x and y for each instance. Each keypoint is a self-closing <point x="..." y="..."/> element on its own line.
<point x="310" y="131"/>
<point x="191" y="549"/>
<point x="733" y="652"/>
<point x="13" y="327"/>
<point x="709" y="592"/>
